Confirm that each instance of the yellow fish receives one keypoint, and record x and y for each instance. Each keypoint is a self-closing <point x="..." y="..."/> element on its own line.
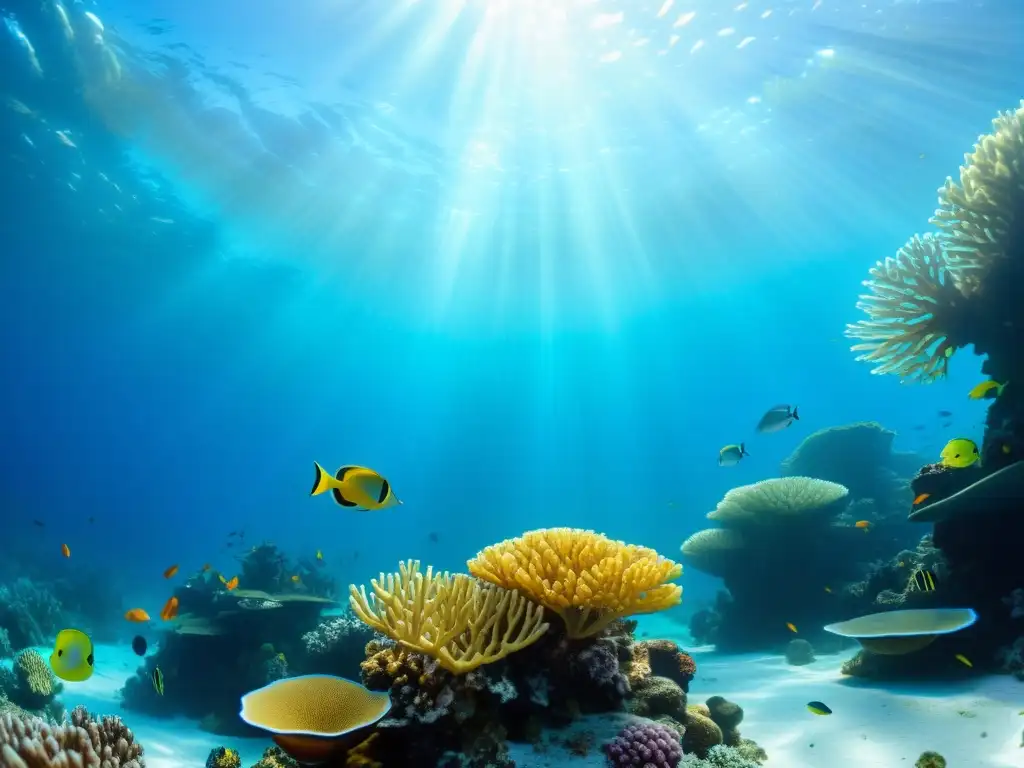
<point x="959" y="453"/>
<point x="72" y="657"/>
<point x="922" y="581"/>
<point x="964" y="660"/>
<point x="985" y="387"/>
<point x="296" y="579"/>
<point x="790" y="627"/>
<point x="355" y="487"/>
<point x="319" y="555"/>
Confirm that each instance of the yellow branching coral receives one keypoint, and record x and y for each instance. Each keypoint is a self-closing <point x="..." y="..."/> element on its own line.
<point x="984" y="214"/>
<point x="454" y="618"/>
<point x="911" y="309"/>
<point x="586" y="578"/>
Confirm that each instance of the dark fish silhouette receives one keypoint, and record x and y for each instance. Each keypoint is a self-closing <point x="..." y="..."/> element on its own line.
<point x="945" y="414"/>
<point x="39" y="523"/>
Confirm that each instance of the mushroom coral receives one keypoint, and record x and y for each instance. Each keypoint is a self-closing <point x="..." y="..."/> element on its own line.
<point x="586" y="578"/>
<point x="454" y="618"/>
<point x="913" y="308"/>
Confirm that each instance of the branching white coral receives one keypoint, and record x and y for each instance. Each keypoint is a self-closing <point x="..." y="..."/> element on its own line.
<point x="982" y="215"/>
<point x="910" y="310"/>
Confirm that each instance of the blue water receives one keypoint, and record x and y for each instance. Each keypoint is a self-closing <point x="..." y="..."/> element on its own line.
<point x="535" y="262"/>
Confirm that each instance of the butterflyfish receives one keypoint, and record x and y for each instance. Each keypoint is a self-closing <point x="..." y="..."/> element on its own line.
<point x="923" y="581"/>
<point x="790" y="626"/>
<point x="355" y="487"/>
<point x="169" y="573"/>
<point x="158" y="681"/>
<point x="136" y="615"/>
<point x="818" y="708"/>
<point x="985" y="387"/>
<point x="72" y="657"/>
<point x="731" y="455"/>
<point x="963" y="660"/>
<point x="778" y="418"/>
<point x="65" y="550"/>
<point x="959" y="453"/>
<point x="231" y="583"/>
<point x="139" y="645"/>
<point x="170" y="609"/>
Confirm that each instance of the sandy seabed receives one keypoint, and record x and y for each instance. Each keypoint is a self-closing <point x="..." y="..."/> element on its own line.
<point x="974" y="723"/>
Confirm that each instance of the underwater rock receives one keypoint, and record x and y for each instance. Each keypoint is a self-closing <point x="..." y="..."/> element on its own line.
<point x="799" y="652"/>
<point x="702" y="733"/>
<point x="727" y="716"/>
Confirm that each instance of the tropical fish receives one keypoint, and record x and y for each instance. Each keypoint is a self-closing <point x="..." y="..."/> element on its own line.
<point x="921" y="498"/>
<point x="731" y="455"/>
<point x="38" y="523"/>
<point x="790" y="627"/>
<point x="139" y="645"/>
<point x="355" y="487"/>
<point x="959" y="453"/>
<point x="818" y="708"/>
<point x="829" y="590"/>
<point x="985" y="387"/>
<point x="945" y="414"/>
<point x="231" y="583"/>
<point x="158" y="681"/>
<point x="865" y="524"/>
<point x="295" y="578"/>
<point x="72" y="657"/>
<point x="170" y="609"/>
<point x="963" y="660"/>
<point x="922" y="581"/>
<point x="319" y="556"/>
<point x="136" y="615"/>
<point x="222" y="579"/>
<point x="65" y="550"/>
<point x="169" y="573"/>
<point x="778" y="418"/>
<point x="281" y="658"/>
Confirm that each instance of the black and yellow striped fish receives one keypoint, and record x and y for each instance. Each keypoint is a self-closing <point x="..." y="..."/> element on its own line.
<point x="158" y="681"/>
<point x="922" y="581"/>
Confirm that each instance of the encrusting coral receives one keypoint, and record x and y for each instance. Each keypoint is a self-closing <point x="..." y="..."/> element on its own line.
<point x="586" y="578"/>
<point x="454" y="618"/>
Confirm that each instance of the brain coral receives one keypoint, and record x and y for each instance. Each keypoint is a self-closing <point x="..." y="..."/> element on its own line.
<point x="778" y="500"/>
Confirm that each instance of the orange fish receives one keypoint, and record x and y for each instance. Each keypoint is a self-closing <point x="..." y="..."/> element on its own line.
<point x="231" y="584"/>
<point x="170" y="610"/>
<point x="921" y="498"/>
<point x="865" y="524"/>
<point x="65" y="550"/>
<point x="136" y="614"/>
<point x="791" y="627"/>
<point x="169" y="573"/>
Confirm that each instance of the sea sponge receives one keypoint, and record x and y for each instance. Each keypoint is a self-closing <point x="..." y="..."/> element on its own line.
<point x="727" y="716"/>
<point x="714" y="550"/>
<point x="913" y="309"/>
<point x="223" y="757"/>
<point x="981" y="215"/>
<point x="456" y="619"/>
<point x="799" y="652"/>
<point x="702" y="733"/>
<point x="778" y="500"/>
<point x="586" y="578"/>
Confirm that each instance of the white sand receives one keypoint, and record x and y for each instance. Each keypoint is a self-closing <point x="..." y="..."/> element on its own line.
<point x="973" y="723"/>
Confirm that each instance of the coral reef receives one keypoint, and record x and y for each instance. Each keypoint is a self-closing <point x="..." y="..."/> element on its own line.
<point x="85" y="742"/>
<point x="223" y="757"/>
<point x="336" y="646"/>
<point x="32" y="686"/>
<point x="799" y="652"/>
<point x="721" y="756"/>
<point x="29" y="612"/>
<point x="727" y="716"/>
<point x="663" y="658"/>
<point x="586" y="578"/>
<point x="930" y="760"/>
<point x="781" y="550"/>
<point x="645" y="746"/>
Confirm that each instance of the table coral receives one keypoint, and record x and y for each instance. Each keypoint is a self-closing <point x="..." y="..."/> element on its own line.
<point x="586" y="578"/>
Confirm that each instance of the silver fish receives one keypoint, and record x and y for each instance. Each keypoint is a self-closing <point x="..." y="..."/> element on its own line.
<point x="778" y="418"/>
<point x="731" y="455"/>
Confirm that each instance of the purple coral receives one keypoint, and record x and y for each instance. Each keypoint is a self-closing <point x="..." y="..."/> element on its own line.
<point x="645" y="746"/>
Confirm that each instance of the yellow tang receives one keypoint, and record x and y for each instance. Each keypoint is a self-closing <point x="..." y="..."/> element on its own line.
<point x="72" y="657"/>
<point x="959" y="453"/>
<point x="355" y="487"/>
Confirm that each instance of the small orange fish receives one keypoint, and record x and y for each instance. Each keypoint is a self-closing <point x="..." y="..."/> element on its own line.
<point x="791" y="627"/>
<point x="231" y="584"/>
<point x="865" y="524"/>
<point x="296" y="579"/>
<point x="169" y="573"/>
<point x="206" y="567"/>
<point x="136" y="615"/>
<point x="170" y="610"/>
<point x="65" y="550"/>
<point x="922" y="497"/>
